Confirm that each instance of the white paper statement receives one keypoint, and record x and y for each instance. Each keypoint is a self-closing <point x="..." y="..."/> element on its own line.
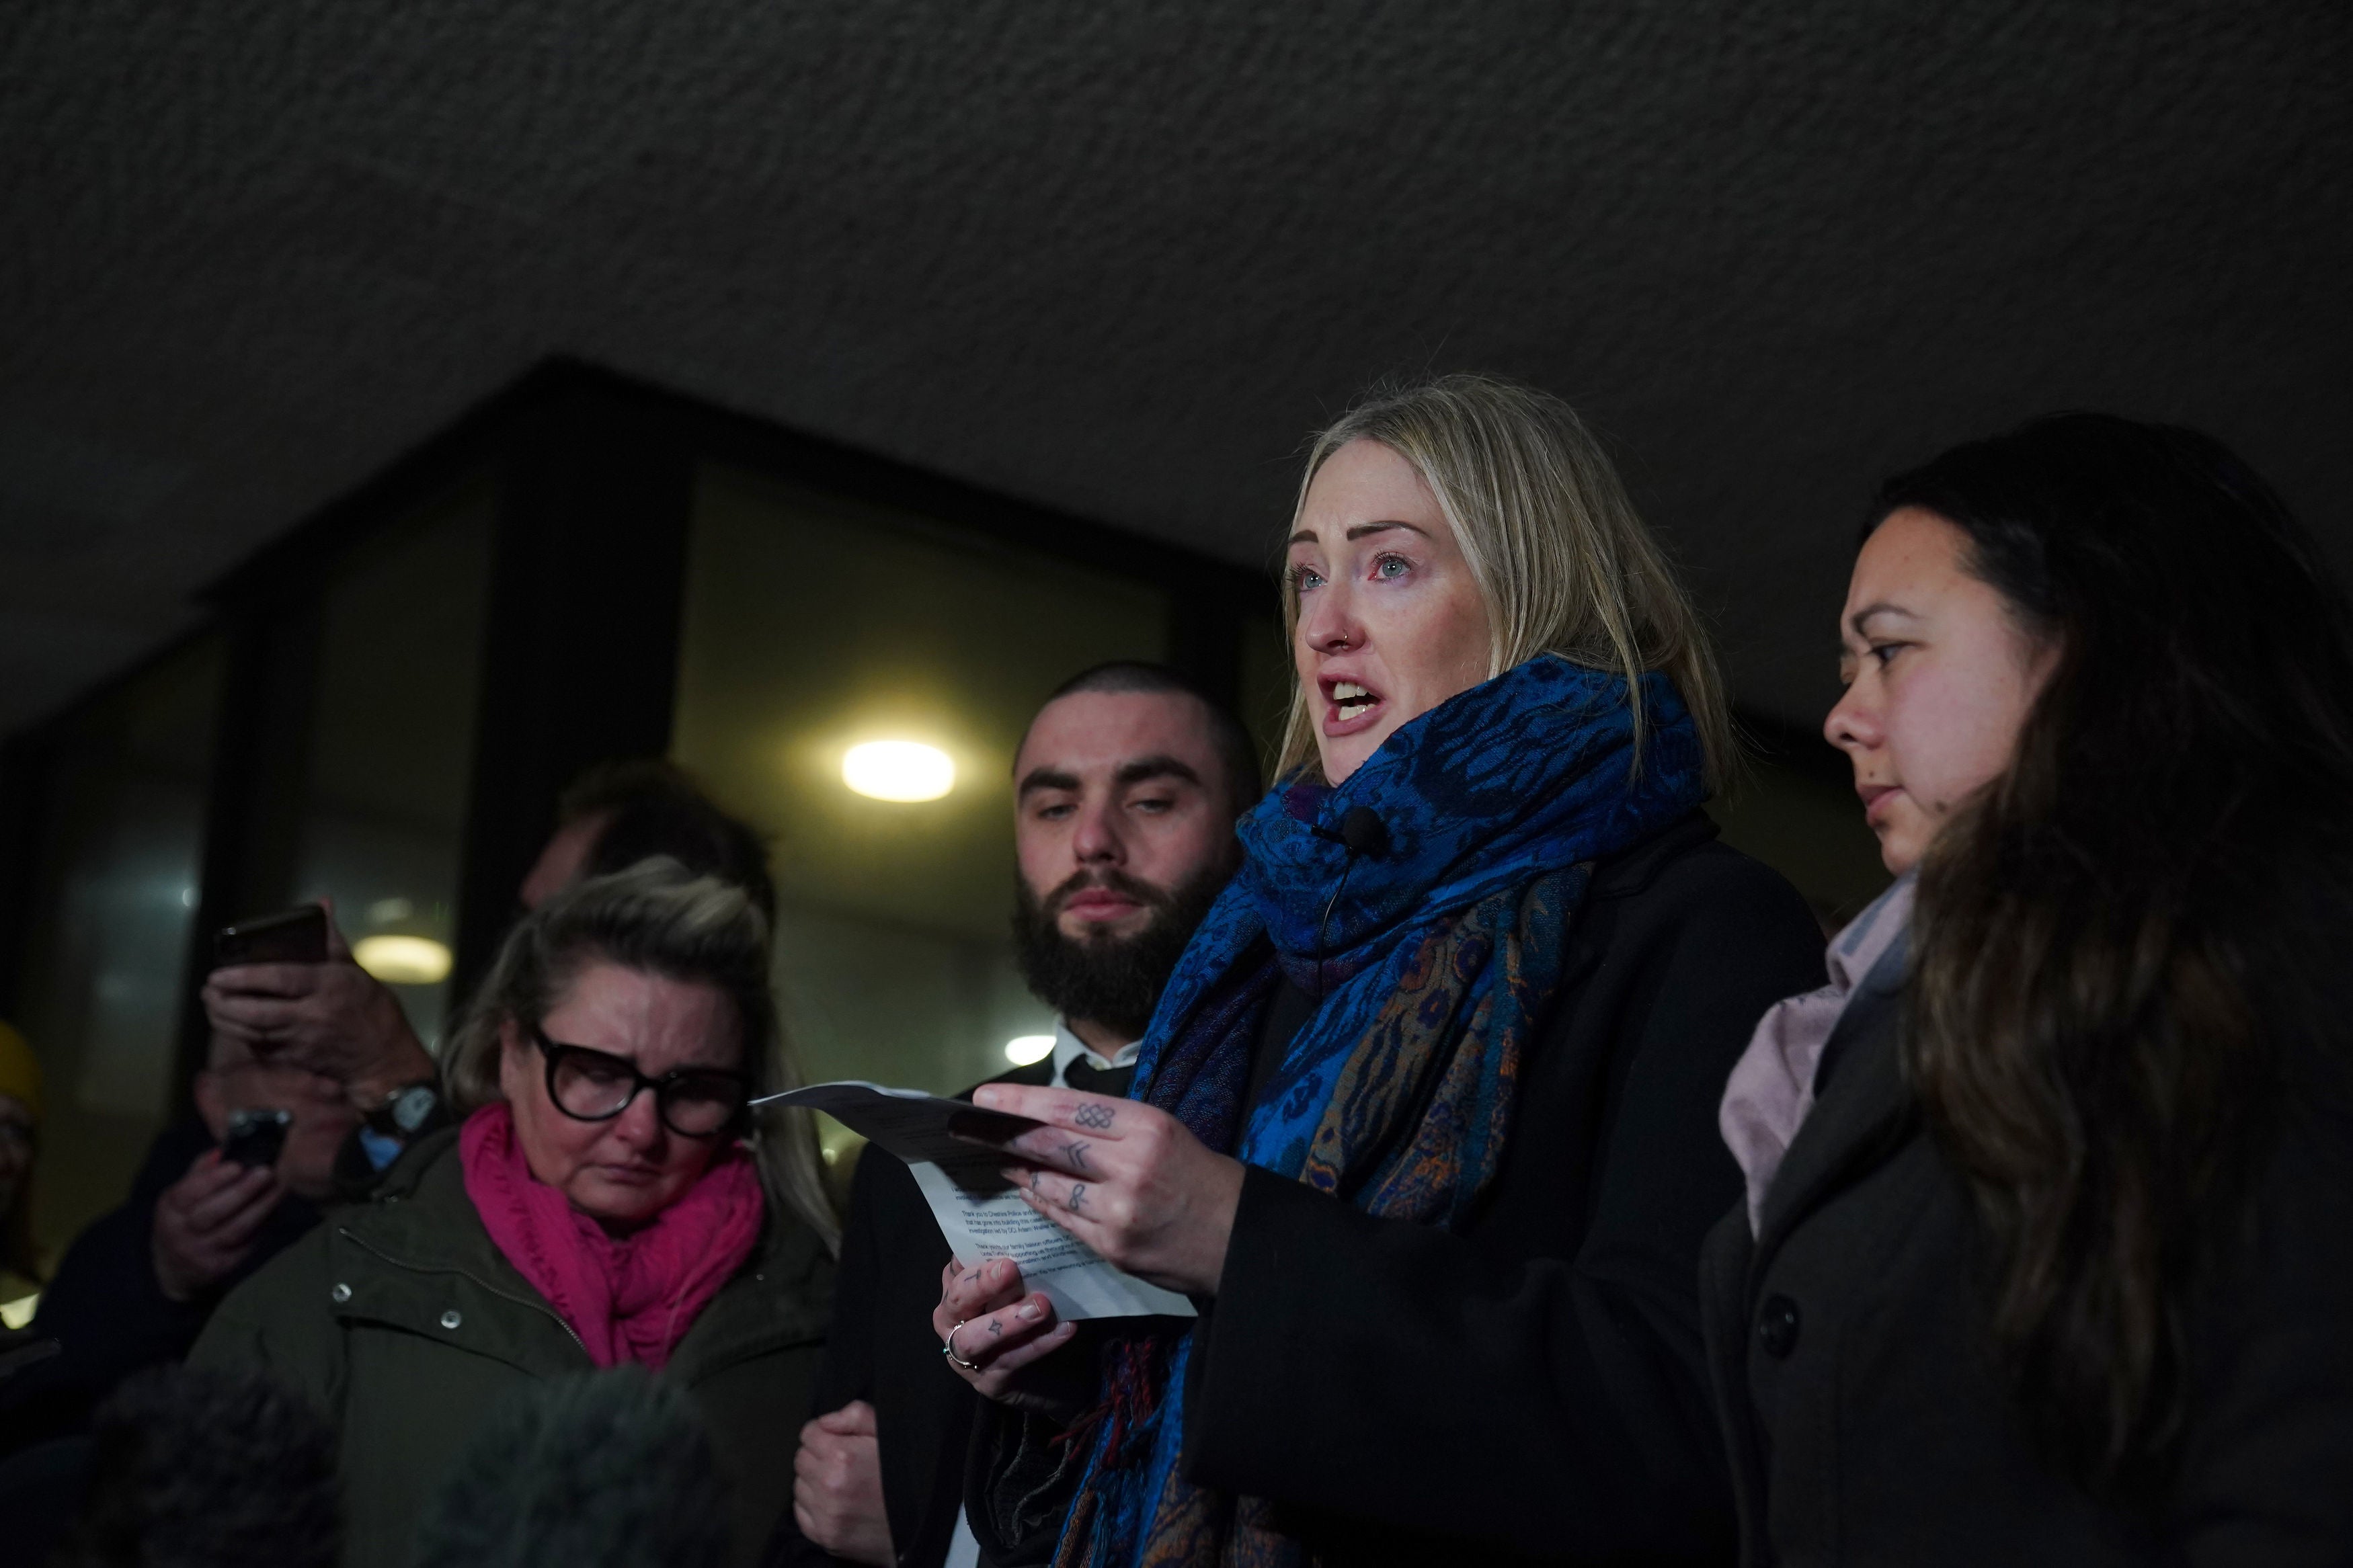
<point x="980" y="1215"/>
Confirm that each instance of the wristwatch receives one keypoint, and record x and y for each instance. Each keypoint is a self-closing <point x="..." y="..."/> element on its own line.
<point x="405" y="1111"/>
<point x="383" y="1134"/>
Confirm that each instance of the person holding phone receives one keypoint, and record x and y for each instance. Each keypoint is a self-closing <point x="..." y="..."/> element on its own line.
<point x="288" y="991"/>
<point x="219" y="1194"/>
<point x="138" y="1285"/>
<point x="610" y="1199"/>
<point x="298" y="1028"/>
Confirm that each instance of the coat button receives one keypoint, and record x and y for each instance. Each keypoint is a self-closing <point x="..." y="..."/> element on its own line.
<point x="1776" y="1326"/>
<point x="450" y="1318"/>
<point x="340" y="1294"/>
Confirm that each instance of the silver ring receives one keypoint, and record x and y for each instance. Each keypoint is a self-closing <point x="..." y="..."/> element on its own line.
<point x="948" y="1350"/>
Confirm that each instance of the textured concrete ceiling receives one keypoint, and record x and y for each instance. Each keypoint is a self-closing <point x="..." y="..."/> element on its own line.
<point x="1121" y="258"/>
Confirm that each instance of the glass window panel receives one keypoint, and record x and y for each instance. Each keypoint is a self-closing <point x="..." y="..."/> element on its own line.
<point x="113" y="901"/>
<point x="1265" y="673"/>
<point x="392" y="739"/>
<point x="814" y="623"/>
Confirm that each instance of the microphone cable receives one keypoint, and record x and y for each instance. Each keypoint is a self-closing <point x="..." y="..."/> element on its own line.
<point x="1362" y="832"/>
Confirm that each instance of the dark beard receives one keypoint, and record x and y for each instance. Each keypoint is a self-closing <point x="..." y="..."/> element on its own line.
<point x="1111" y="981"/>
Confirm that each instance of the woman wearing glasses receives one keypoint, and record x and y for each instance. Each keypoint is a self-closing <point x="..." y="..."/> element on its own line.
<point x="602" y="1202"/>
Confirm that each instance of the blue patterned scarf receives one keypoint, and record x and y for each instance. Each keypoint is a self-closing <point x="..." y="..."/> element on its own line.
<point x="1435" y="963"/>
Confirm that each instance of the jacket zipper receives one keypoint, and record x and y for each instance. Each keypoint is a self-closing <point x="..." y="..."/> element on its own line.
<point x="542" y="1309"/>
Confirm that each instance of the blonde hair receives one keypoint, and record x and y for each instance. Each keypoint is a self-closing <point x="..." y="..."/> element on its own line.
<point x="659" y="918"/>
<point x="1563" y="562"/>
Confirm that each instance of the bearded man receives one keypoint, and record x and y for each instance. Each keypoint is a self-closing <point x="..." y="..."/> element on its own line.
<point x="1126" y="790"/>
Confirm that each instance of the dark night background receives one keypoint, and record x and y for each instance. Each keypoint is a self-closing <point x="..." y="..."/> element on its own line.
<point x="1119" y="259"/>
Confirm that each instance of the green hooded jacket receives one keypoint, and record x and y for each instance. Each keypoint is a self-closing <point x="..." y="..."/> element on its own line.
<point x="402" y="1322"/>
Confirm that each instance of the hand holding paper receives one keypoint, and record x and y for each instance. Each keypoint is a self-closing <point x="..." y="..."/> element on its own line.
<point x="1129" y="1180"/>
<point x="956" y="1153"/>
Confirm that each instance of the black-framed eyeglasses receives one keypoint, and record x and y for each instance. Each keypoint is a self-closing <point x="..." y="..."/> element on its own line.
<point x="596" y="1086"/>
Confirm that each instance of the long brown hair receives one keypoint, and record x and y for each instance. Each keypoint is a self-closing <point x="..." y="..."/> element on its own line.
<point x="2082" y="1032"/>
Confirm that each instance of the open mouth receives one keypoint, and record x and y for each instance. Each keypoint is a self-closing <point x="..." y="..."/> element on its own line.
<point x="1347" y="705"/>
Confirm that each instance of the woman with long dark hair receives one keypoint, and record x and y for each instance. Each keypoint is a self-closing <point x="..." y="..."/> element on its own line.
<point x="1426" y="1120"/>
<point x="2047" y="1251"/>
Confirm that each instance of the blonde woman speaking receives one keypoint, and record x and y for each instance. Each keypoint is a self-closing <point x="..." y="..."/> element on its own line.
<point x="1425" y="1122"/>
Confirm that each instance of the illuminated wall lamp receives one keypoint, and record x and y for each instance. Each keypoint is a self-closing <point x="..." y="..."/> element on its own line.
<point x="1023" y="1049"/>
<point x="899" y="770"/>
<point x="403" y="960"/>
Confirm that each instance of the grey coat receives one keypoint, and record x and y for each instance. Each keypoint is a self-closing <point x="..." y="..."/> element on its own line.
<point x="402" y="1321"/>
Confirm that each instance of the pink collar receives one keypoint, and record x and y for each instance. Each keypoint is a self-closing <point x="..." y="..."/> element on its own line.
<point x="1772" y="1087"/>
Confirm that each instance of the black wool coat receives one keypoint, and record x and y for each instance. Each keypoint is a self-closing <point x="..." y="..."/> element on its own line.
<point x="1532" y="1387"/>
<point x="881" y="1349"/>
<point x="1860" y="1401"/>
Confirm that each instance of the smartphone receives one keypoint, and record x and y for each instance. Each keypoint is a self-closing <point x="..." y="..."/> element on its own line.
<point x="256" y="1136"/>
<point x="298" y="935"/>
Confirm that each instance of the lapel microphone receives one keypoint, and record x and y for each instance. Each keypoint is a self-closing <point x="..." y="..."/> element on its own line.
<point x="1362" y="832"/>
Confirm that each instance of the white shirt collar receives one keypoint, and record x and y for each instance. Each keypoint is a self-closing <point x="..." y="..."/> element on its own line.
<point x="1068" y="1047"/>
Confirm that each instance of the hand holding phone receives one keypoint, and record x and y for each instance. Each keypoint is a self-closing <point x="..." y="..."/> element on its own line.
<point x="286" y="989"/>
<point x="205" y="1224"/>
<point x="256" y="1137"/>
<point x="298" y="935"/>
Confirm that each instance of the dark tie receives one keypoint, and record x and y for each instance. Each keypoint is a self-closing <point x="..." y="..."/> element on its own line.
<point x="1088" y="1079"/>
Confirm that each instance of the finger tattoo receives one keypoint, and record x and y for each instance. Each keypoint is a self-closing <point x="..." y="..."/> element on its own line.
<point x="1076" y="1153"/>
<point x="1037" y="1180"/>
<point x="995" y="1328"/>
<point x="1096" y="1117"/>
<point x="1078" y="1196"/>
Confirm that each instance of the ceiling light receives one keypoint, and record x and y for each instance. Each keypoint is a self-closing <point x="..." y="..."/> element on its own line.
<point x="899" y="770"/>
<point x="403" y="960"/>
<point x="1023" y="1049"/>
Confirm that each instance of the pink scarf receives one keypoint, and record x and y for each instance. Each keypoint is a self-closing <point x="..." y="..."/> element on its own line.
<point x="1772" y="1087"/>
<point x="630" y="1299"/>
